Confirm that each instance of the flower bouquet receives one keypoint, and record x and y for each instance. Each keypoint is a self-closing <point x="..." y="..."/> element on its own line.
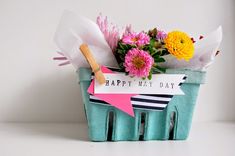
<point x="135" y="85"/>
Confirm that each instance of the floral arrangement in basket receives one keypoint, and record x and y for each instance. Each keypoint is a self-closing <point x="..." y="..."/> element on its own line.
<point x="138" y="54"/>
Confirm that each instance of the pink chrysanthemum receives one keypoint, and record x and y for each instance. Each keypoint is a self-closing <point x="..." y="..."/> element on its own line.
<point x="138" y="39"/>
<point x="161" y="35"/>
<point x="138" y="62"/>
<point x="110" y="31"/>
<point x="128" y="29"/>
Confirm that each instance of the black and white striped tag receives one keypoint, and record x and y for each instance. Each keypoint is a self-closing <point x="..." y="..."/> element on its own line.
<point x="143" y="101"/>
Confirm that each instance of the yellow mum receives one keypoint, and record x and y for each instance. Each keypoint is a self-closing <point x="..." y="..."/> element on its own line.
<point x="180" y="45"/>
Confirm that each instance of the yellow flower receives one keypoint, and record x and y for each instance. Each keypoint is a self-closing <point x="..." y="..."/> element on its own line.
<point x="180" y="45"/>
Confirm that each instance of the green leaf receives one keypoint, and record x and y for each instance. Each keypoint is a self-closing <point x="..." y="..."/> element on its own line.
<point x="159" y="59"/>
<point x="163" y="70"/>
<point x="120" y="52"/>
<point x="158" y="69"/>
<point x="152" y="42"/>
<point x="150" y="75"/>
<point x="164" y="52"/>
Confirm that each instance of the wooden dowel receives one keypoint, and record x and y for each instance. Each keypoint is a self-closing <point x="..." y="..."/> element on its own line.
<point x="94" y="65"/>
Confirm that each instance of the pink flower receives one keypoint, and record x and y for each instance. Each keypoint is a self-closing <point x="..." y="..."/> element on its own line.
<point x="128" y="29"/>
<point x="138" y="39"/>
<point x="138" y="62"/>
<point x="110" y="31"/>
<point x="161" y="35"/>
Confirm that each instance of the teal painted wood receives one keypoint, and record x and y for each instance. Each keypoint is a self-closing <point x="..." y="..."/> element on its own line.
<point x="157" y="123"/>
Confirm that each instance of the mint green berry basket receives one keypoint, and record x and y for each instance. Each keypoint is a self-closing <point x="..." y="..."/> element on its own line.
<point x="106" y="123"/>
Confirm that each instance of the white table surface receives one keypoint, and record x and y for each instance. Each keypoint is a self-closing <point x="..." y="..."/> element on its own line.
<point x="70" y="139"/>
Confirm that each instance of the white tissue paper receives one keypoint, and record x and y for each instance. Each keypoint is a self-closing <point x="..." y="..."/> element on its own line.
<point x="73" y="30"/>
<point x="205" y="51"/>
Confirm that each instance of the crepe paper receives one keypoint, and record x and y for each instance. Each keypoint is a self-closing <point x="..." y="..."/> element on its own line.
<point x="60" y="53"/>
<point x="72" y="31"/>
<point x="114" y="99"/>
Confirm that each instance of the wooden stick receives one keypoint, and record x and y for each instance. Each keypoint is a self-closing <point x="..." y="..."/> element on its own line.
<point x="94" y="66"/>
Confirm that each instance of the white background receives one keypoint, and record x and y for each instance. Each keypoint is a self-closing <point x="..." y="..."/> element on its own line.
<point x="34" y="89"/>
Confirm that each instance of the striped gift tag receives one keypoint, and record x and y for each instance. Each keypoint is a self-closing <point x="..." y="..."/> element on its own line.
<point x="143" y="101"/>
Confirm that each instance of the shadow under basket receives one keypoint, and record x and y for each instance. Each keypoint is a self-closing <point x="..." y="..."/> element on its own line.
<point x="106" y="123"/>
